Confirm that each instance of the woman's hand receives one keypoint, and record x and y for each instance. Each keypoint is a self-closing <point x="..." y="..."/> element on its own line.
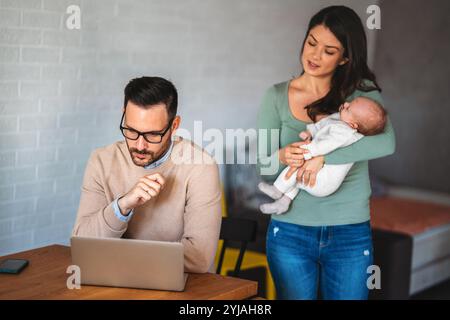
<point x="308" y="172"/>
<point x="292" y="154"/>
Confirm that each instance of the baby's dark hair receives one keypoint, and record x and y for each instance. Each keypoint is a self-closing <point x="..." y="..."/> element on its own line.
<point x="376" y="122"/>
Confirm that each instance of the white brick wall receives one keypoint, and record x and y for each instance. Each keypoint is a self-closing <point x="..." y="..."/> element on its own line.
<point x="61" y="90"/>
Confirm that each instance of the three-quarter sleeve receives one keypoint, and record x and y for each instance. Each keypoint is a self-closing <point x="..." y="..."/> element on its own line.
<point x="269" y="126"/>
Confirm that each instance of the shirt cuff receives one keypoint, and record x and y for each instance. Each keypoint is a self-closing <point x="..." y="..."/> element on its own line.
<point x="119" y="215"/>
<point x="307" y="155"/>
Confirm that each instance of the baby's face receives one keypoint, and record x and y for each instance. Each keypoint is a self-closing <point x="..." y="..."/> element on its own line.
<point x="349" y="112"/>
<point x="363" y="114"/>
<point x="357" y="111"/>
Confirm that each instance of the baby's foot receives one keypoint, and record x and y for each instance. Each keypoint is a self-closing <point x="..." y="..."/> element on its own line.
<point x="277" y="207"/>
<point x="270" y="190"/>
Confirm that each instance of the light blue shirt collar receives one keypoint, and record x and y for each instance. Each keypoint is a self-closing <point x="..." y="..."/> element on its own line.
<point x="161" y="160"/>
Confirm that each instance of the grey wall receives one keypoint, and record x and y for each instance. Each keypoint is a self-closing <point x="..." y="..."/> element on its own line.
<point x="61" y="90"/>
<point x="412" y="66"/>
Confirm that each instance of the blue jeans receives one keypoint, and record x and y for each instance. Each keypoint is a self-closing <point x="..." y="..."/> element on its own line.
<point x="335" y="259"/>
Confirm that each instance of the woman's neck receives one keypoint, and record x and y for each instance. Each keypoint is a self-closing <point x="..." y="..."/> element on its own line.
<point x="316" y="85"/>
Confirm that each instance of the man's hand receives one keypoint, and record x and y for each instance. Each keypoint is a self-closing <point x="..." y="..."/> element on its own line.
<point x="146" y="188"/>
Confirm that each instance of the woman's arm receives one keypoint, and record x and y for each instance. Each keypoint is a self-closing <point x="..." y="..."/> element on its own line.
<point x="269" y="125"/>
<point x="367" y="148"/>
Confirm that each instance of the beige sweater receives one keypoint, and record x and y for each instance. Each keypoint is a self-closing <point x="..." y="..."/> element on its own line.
<point x="188" y="209"/>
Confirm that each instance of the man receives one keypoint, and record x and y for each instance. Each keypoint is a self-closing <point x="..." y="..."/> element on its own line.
<point x="137" y="189"/>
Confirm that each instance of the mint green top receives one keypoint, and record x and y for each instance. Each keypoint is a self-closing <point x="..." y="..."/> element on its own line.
<point x="350" y="203"/>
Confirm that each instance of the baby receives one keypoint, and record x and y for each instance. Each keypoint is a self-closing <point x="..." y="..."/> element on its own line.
<point x="356" y="119"/>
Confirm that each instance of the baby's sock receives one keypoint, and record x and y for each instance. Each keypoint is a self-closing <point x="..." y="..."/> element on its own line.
<point x="277" y="207"/>
<point x="270" y="190"/>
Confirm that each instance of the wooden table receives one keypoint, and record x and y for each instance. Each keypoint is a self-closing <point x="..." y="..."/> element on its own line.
<point x="46" y="277"/>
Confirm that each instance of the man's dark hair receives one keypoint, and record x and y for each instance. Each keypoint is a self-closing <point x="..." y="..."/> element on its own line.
<point x="147" y="91"/>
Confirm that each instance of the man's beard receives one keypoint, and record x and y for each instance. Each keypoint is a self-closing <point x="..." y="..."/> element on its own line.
<point x="153" y="156"/>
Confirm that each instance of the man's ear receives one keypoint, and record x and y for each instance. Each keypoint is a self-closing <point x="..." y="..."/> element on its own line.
<point x="343" y="61"/>
<point x="123" y="114"/>
<point x="176" y="123"/>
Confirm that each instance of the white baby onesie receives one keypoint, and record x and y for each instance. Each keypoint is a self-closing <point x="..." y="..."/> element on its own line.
<point x="328" y="134"/>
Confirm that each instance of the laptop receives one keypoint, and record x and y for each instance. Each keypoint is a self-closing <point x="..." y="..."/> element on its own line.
<point x="129" y="263"/>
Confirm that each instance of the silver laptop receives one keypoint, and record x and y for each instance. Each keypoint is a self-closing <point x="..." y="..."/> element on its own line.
<point x="129" y="263"/>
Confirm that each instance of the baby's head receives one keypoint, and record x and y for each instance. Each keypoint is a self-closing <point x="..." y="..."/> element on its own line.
<point x="365" y="115"/>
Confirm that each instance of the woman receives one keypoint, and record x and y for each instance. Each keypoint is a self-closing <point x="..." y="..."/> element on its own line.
<point x="323" y="243"/>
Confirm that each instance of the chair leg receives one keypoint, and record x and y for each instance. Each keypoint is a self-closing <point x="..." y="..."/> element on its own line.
<point x="237" y="269"/>
<point x="222" y="254"/>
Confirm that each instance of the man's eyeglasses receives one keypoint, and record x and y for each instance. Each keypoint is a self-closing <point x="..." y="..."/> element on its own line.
<point x="149" y="136"/>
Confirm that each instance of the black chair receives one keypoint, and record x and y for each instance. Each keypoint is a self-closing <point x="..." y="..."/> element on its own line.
<point x="236" y="230"/>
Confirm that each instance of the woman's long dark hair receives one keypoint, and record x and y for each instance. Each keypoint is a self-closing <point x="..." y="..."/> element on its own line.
<point x="347" y="27"/>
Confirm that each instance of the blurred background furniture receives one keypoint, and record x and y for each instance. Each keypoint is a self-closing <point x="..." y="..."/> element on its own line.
<point x="247" y="261"/>
<point x="237" y="230"/>
<point x="411" y="243"/>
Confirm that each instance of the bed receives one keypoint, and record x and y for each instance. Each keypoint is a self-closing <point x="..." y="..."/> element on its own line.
<point x="419" y="233"/>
